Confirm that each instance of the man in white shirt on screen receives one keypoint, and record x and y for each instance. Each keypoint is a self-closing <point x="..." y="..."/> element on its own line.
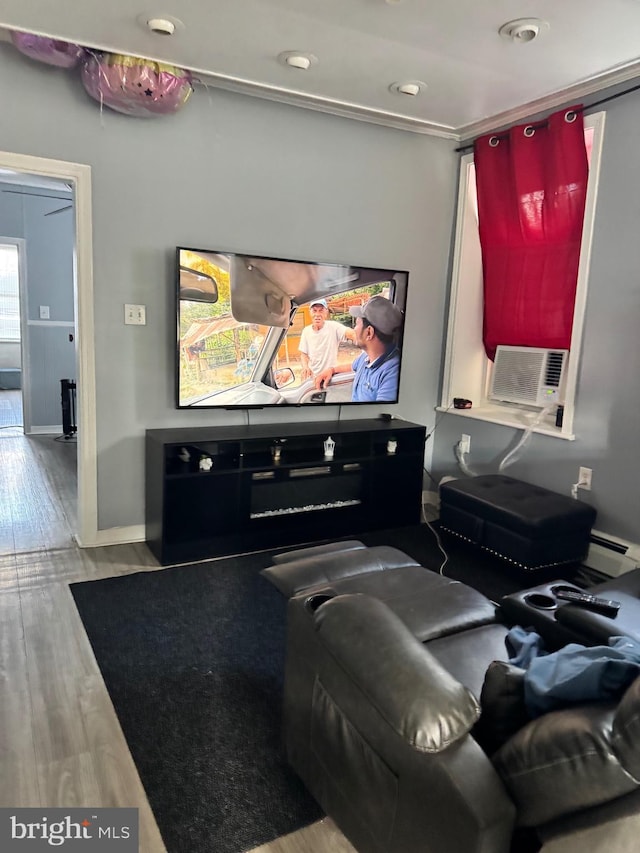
<point x="319" y="342"/>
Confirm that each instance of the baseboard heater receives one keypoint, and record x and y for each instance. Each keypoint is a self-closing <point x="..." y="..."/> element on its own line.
<point x="68" y="399"/>
<point x="612" y="557"/>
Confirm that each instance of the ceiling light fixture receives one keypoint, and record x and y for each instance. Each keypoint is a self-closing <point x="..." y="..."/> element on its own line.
<point x="301" y="62"/>
<point x="408" y="87"/>
<point x="162" y="25"/>
<point x="523" y="30"/>
<point x="297" y="59"/>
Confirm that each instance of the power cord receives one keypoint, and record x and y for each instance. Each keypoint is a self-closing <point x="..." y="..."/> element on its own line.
<point x="440" y="546"/>
<point x="430" y="476"/>
<point x="461" y="456"/>
<point x="438" y="421"/>
<point x="510" y="457"/>
<point x="576" y="486"/>
<point x="434" y="531"/>
<point x="426" y="439"/>
<point x="526" y="436"/>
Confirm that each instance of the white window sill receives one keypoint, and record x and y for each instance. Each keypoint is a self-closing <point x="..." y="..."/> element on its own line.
<point x="511" y="416"/>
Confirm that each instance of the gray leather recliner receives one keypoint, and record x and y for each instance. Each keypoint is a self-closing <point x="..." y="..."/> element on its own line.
<point x="382" y="719"/>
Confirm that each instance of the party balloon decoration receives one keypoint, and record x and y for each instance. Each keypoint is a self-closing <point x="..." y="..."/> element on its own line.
<point x="63" y="54"/>
<point x="135" y="86"/>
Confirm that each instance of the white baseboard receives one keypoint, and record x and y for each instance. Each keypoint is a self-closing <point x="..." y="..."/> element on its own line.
<point x="115" y="536"/>
<point x="56" y="429"/>
<point x="612" y="556"/>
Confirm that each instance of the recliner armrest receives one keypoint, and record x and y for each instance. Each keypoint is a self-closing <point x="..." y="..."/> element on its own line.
<point x="401" y="679"/>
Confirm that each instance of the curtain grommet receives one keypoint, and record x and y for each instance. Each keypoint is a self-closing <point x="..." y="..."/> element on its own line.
<point x="570" y="116"/>
<point x="529" y="130"/>
<point x="494" y="141"/>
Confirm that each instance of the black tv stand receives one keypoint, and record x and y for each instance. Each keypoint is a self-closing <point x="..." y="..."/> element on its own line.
<point x="272" y="485"/>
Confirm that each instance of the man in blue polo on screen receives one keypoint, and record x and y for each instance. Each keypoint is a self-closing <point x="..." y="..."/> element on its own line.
<point x="377" y="368"/>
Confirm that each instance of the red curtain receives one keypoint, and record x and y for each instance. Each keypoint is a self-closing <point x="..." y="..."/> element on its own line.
<point x="531" y="187"/>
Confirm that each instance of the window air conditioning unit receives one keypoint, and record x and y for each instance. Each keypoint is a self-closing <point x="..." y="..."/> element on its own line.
<point x="528" y="375"/>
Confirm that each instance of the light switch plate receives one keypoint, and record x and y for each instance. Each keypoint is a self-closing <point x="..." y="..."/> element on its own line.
<point x="44" y="312"/>
<point x="135" y="315"/>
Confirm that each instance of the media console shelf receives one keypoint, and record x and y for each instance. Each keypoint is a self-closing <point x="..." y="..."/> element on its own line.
<point x="273" y="485"/>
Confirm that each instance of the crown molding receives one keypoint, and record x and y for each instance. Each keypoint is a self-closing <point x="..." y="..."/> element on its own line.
<point x="388" y="118"/>
<point x="332" y="106"/>
<point x="561" y="98"/>
<point x="281" y="94"/>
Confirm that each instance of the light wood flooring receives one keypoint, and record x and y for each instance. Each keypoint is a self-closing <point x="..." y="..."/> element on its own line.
<point x="60" y="740"/>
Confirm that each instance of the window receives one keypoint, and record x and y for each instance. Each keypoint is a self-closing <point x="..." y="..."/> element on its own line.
<point x="9" y="294"/>
<point x="467" y="370"/>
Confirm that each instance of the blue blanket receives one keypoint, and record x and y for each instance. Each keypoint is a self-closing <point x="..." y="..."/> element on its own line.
<point x="573" y="674"/>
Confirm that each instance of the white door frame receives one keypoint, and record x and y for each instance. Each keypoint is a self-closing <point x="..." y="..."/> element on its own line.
<point x="25" y="376"/>
<point x="79" y="176"/>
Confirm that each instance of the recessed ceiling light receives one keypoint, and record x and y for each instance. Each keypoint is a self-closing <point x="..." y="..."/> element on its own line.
<point x="163" y="25"/>
<point x="523" y="30"/>
<point x="301" y="62"/>
<point x="408" y="87"/>
<point x="297" y="59"/>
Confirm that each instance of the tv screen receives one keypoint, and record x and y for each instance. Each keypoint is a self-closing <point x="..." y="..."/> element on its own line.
<point x="256" y="331"/>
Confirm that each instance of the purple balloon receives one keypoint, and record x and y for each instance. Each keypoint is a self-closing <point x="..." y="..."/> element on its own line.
<point x="135" y="86"/>
<point x="62" y="54"/>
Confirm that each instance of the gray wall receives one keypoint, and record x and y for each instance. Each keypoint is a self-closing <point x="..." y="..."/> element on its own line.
<point x="607" y="421"/>
<point x="237" y="173"/>
<point x="49" y="281"/>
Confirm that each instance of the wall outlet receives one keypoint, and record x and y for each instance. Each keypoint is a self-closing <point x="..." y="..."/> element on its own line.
<point x="135" y="315"/>
<point x="584" y="479"/>
<point x="465" y="443"/>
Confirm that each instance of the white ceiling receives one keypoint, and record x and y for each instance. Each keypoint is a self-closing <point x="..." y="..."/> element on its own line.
<point x="476" y="79"/>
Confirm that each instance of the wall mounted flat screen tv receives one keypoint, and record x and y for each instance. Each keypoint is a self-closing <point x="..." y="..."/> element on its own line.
<point x="257" y="331"/>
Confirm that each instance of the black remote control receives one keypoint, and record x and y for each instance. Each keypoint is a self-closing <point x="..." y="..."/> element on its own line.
<point x="600" y="605"/>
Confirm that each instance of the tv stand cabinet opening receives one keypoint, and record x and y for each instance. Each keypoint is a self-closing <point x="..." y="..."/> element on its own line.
<point x="212" y="491"/>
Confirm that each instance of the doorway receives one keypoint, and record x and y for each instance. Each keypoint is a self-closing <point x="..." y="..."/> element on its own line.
<point x="78" y="177"/>
<point x="11" y="402"/>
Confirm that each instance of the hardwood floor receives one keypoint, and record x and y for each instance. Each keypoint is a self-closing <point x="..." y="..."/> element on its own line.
<point x="61" y="743"/>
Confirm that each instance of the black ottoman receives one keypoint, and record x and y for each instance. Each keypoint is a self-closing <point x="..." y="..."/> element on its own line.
<point x="527" y="525"/>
